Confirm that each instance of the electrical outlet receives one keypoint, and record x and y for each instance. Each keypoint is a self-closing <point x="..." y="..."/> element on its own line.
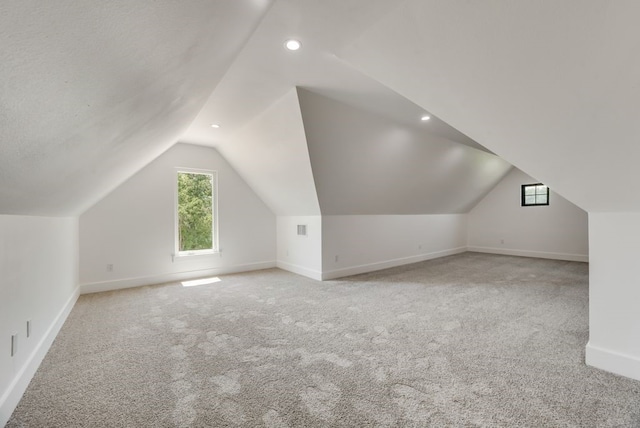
<point x="502" y="241"/>
<point x="28" y="328"/>
<point x="337" y="259"/>
<point x="14" y="344"/>
<point x="109" y="268"/>
<point x="419" y="247"/>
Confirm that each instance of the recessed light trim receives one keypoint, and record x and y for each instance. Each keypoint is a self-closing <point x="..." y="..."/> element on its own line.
<point x="215" y="125"/>
<point x="292" y="45"/>
<point x="425" y="118"/>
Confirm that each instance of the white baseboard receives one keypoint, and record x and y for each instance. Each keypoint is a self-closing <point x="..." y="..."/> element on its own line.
<point x="535" y="254"/>
<point x="614" y="362"/>
<point x="300" y="270"/>
<point x="10" y="399"/>
<point x="371" y="267"/>
<point x="97" y="287"/>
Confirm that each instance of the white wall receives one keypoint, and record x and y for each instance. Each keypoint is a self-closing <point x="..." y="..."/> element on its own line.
<point x="499" y="224"/>
<point x="39" y="282"/>
<point x="614" y="293"/>
<point x="133" y="227"/>
<point x="364" y="243"/>
<point x="573" y="125"/>
<point x="300" y="254"/>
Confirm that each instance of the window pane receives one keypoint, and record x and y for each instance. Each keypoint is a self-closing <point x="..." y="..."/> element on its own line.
<point x="530" y="200"/>
<point x="541" y="199"/>
<point x="530" y="190"/>
<point x="195" y="211"/>
<point x="541" y="190"/>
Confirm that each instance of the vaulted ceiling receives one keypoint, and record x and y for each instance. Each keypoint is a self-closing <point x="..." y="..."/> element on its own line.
<point x="91" y="93"/>
<point x="365" y="163"/>
<point x="553" y="87"/>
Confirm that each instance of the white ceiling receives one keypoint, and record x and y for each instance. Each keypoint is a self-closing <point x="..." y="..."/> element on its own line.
<point x="553" y="87"/>
<point x="271" y="154"/>
<point x="367" y="164"/>
<point x="274" y="158"/>
<point x="91" y="92"/>
<point x="264" y="71"/>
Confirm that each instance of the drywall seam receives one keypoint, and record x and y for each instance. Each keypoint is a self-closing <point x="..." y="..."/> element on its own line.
<point x="97" y="287"/>
<point x="10" y="399"/>
<point x="300" y="270"/>
<point x="534" y="254"/>
<point x="385" y="264"/>
<point x="611" y="361"/>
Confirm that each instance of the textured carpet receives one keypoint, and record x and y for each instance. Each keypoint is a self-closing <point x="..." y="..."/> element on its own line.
<point x="464" y="341"/>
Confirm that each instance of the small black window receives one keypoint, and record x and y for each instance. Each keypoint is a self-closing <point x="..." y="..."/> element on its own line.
<point x="535" y="194"/>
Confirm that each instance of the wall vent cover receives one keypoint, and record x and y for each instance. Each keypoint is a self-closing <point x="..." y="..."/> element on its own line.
<point x="302" y="229"/>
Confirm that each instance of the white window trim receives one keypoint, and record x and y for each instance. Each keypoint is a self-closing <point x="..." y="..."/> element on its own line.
<point x="177" y="254"/>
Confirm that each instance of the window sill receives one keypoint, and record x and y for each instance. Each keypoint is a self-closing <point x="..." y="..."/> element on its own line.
<point x="189" y="255"/>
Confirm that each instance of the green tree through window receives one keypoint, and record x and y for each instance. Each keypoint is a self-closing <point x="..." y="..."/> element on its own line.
<point x="195" y="211"/>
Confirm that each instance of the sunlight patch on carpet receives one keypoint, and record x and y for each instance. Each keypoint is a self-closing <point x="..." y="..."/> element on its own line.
<point x="203" y="281"/>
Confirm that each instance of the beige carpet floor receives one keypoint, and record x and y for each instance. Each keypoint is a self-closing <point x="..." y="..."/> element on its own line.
<point x="472" y="340"/>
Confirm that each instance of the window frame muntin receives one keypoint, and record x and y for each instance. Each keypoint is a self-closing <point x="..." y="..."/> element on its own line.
<point x="523" y="198"/>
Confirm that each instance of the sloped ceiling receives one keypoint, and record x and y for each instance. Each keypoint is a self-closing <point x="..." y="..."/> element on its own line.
<point x="552" y="87"/>
<point x="364" y="163"/>
<point x="264" y="71"/>
<point x="271" y="154"/>
<point x="261" y="133"/>
<point x="91" y="92"/>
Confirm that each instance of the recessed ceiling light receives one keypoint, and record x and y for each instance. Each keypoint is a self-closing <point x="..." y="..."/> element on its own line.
<point x="292" y="45"/>
<point x="425" y="118"/>
<point x="215" y="125"/>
